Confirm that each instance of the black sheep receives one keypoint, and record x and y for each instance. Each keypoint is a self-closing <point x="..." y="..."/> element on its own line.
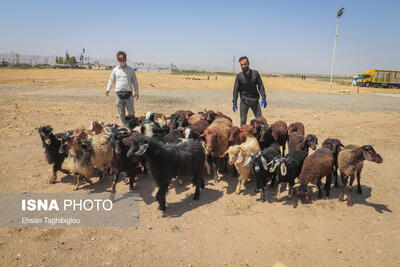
<point x="289" y="168"/>
<point x="51" y="142"/>
<point x="174" y="137"/>
<point x="261" y="164"/>
<point x="121" y="140"/>
<point x="334" y="145"/>
<point x="167" y="161"/>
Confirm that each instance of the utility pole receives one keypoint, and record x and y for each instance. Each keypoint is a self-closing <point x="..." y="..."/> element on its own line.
<point x="339" y="14"/>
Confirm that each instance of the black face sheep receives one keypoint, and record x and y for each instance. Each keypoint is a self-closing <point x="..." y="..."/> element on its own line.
<point x="51" y="143"/>
<point x="350" y="163"/>
<point x="287" y="169"/>
<point x="264" y="135"/>
<point x="121" y="141"/>
<point x="315" y="167"/>
<point x="297" y="141"/>
<point x="261" y="165"/>
<point x="335" y="146"/>
<point x="168" y="161"/>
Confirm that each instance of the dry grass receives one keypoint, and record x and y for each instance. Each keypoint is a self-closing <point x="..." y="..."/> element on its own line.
<point x="97" y="80"/>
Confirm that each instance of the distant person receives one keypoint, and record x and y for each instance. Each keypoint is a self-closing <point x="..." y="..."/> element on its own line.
<point x="124" y="77"/>
<point x="249" y="85"/>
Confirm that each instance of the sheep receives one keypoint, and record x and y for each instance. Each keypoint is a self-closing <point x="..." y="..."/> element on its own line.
<point x="195" y="118"/>
<point x="185" y="113"/>
<point x="167" y="161"/>
<point x="296" y="127"/>
<point x="121" y="141"/>
<point x="238" y="135"/>
<point x="280" y="134"/>
<point x="335" y="146"/>
<point x="210" y="116"/>
<point x="51" y="142"/>
<point x="174" y="137"/>
<point x="85" y="154"/>
<point x="261" y="165"/>
<point x="315" y="167"/>
<point x="216" y="138"/>
<point x="96" y="127"/>
<point x="177" y="120"/>
<point x="238" y="155"/>
<point x="263" y="133"/>
<point x="350" y="162"/>
<point x="258" y="120"/>
<point x="150" y="128"/>
<point x="195" y="130"/>
<point x="289" y="168"/>
<point x="297" y="141"/>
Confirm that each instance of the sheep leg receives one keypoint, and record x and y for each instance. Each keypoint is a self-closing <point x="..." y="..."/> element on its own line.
<point x="328" y="184"/>
<point x="132" y="184"/>
<point x="199" y="183"/>
<point x="160" y="196"/>
<point x="77" y="178"/>
<point x="336" y="175"/>
<point x="278" y="191"/>
<point x="237" y="191"/>
<point x="344" y="183"/>
<point x="114" y="185"/>
<point x="56" y="167"/>
<point x="349" y="197"/>
<point x="359" y="190"/>
<point x="319" y="187"/>
<point x="291" y="184"/>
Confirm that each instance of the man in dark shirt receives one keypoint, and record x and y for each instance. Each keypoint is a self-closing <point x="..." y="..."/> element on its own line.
<point x="249" y="85"/>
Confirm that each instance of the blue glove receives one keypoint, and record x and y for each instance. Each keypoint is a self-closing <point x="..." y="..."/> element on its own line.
<point x="234" y="107"/>
<point x="264" y="103"/>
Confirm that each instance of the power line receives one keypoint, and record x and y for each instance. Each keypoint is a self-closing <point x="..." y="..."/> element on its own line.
<point x="369" y="42"/>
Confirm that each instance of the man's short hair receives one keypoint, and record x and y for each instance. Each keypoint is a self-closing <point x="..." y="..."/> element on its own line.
<point x="242" y="58"/>
<point x="121" y="53"/>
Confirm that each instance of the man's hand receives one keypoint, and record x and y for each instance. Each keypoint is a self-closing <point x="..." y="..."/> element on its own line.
<point x="234" y="107"/>
<point x="136" y="96"/>
<point x="107" y="92"/>
<point x="264" y="103"/>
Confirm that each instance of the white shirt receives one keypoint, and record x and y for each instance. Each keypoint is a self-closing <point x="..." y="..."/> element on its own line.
<point x="124" y="78"/>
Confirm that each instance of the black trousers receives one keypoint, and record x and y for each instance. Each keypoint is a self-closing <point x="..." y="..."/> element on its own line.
<point x="244" y="109"/>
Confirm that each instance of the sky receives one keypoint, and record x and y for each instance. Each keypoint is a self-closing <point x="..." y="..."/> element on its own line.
<point x="277" y="36"/>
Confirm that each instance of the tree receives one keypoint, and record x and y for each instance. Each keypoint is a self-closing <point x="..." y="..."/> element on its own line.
<point x="56" y="60"/>
<point x="72" y="61"/>
<point x="60" y="60"/>
<point x="66" y="57"/>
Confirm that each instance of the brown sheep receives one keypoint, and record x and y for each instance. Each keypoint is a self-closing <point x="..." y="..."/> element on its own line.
<point x="297" y="141"/>
<point x="195" y="130"/>
<point x="296" y="127"/>
<point x="238" y="135"/>
<point x="195" y="118"/>
<point x="315" y="167"/>
<point x="350" y="163"/>
<point x="216" y="138"/>
<point x="280" y="134"/>
<point x="334" y="145"/>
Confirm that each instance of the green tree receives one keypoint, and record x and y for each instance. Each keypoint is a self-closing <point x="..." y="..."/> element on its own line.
<point x="56" y="60"/>
<point x="72" y="61"/>
<point x="66" y="58"/>
<point x="60" y="60"/>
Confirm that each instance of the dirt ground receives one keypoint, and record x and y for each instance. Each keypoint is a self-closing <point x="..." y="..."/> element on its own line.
<point x="222" y="228"/>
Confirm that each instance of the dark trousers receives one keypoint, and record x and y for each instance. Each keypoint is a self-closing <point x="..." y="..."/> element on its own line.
<point x="244" y="109"/>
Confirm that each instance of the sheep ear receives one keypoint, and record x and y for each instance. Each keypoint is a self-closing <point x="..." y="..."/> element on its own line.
<point x="366" y="155"/>
<point x="264" y="163"/>
<point x="240" y="158"/>
<point x="142" y="149"/>
<point x="247" y="162"/>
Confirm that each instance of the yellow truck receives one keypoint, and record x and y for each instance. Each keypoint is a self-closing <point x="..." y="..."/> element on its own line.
<point x="379" y="78"/>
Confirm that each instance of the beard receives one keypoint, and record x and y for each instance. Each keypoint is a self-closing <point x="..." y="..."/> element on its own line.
<point x="245" y="69"/>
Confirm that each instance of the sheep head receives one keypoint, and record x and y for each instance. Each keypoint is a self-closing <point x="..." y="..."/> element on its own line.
<point x="312" y="141"/>
<point x="234" y="134"/>
<point x="138" y="148"/>
<point x="370" y="154"/>
<point x="45" y="133"/>
<point x="210" y="138"/>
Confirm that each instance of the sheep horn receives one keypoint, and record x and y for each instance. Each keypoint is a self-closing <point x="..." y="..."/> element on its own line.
<point x="247" y="162"/>
<point x="142" y="149"/>
<point x="264" y="163"/>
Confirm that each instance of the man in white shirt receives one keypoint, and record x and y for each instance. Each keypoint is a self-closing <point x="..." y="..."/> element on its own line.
<point x="124" y="77"/>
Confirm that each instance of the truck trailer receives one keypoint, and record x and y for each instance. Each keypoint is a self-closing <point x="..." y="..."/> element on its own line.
<point x="379" y="78"/>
